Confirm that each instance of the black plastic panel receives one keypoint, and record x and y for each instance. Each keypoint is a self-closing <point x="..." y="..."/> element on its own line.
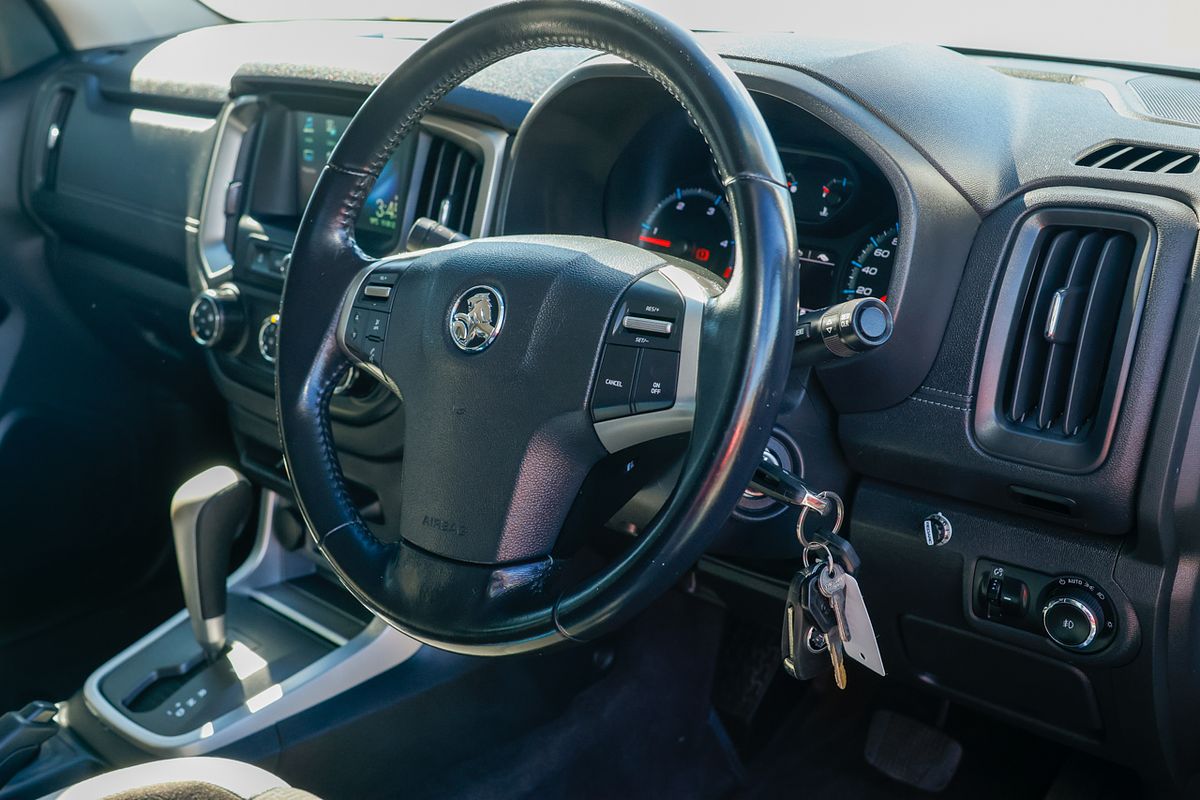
<point x="127" y="179"/>
<point x="920" y="595"/>
<point x="929" y="440"/>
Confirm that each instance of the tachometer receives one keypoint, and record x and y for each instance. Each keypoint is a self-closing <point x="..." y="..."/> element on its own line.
<point x="692" y="224"/>
<point x="871" y="270"/>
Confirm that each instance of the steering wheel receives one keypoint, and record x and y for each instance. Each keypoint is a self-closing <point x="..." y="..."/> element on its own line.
<point x="508" y="353"/>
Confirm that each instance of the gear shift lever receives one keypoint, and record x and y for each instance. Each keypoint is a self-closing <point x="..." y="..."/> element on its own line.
<point x="206" y="514"/>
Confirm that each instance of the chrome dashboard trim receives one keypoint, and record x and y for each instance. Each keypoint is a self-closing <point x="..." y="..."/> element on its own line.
<point x="235" y="122"/>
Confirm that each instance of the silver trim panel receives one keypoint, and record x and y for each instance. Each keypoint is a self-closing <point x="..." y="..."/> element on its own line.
<point x="235" y="123"/>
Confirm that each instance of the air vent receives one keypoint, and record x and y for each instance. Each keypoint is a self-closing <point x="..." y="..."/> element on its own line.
<point x="1067" y="327"/>
<point x="1062" y="337"/>
<point x="450" y="185"/>
<point x="1140" y="158"/>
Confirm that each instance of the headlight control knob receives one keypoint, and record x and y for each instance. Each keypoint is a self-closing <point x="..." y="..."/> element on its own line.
<point x="216" y="317"/>
<point x="1077" y="614"/>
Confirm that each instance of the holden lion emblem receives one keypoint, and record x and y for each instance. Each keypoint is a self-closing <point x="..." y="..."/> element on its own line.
<point x="476" y="317"/>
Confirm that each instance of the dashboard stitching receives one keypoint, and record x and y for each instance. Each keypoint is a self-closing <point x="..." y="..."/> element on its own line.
<point x="935" y="403"/>
<point x="952" y="394"/>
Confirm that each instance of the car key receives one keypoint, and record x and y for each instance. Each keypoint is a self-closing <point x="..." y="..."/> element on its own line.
<point x="831" y="579"/>
<point x="836" y="656"/>
<point x="817" y="607"/>
<point x="803" y="644"/>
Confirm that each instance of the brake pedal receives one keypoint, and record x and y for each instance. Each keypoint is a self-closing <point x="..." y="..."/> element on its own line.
<point x="912" y="752"/>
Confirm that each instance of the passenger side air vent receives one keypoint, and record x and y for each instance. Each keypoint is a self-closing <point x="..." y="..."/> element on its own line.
<point x="1067" y="327"/>
<point x="1140" y="158"/>
<point x="1062" y="336"/>
<point x="449" y="185"/>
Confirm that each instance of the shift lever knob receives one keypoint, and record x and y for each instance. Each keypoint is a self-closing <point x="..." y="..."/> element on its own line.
<point x="206" y="514"/>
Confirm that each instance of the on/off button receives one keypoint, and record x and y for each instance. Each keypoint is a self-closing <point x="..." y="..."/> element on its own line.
<point x="614" y="383"/>
<point x="656" y="380"/>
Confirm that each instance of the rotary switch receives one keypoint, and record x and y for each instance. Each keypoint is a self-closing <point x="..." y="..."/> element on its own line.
<point x="1077" y="614"/>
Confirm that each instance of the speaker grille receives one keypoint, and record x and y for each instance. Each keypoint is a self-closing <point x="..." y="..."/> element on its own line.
<point x="1174" y="99"/>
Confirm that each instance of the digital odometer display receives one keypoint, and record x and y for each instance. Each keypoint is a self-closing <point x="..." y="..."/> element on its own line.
<point x="378" y="226"/>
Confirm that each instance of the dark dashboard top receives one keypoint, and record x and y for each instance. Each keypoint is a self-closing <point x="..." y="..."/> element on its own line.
<point x="991" y="125"/>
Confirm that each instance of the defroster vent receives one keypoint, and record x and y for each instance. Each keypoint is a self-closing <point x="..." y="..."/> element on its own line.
<point x="1140" y="158"/>
<point x="1061" y="340"/>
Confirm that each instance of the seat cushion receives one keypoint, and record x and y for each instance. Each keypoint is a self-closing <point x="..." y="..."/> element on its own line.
<point x="184" y="779"/>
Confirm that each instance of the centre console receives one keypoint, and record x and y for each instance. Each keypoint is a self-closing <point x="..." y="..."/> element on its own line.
<point x="294" y="640"/>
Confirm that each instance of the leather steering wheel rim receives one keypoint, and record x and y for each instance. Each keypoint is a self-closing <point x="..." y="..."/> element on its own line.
<point x="517" y="606"/>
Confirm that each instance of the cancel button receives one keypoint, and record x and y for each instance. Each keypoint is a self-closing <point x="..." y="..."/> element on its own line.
<point x="610" y="398"/>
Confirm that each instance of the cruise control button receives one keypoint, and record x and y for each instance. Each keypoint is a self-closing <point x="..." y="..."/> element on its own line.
<point x="660" y="327"/>
<point x="610" y="398"/>
<point x="651" y="315"/>
<point x="657" y="376"/>
<point x="649" y="298"/>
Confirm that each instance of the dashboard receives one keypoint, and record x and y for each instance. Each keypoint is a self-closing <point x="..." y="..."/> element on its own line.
<point x="929" y="179"/>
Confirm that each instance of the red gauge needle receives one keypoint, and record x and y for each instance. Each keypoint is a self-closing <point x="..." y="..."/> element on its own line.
<point x="655" y="242"/>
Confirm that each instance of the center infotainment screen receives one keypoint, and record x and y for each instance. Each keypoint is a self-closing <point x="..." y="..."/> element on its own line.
<point x="378" y="228"/>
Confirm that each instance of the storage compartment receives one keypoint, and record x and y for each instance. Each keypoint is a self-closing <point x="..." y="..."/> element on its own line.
<point x="982" y="671"/>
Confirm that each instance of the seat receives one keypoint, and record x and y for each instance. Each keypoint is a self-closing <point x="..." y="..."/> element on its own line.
<point x="184" y="779"/>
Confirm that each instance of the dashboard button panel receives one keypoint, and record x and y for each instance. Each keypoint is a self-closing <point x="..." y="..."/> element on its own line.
<point x="1072" y="611"/>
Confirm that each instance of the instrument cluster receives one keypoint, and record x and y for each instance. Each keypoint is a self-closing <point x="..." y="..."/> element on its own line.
<point x="668" y="199"/>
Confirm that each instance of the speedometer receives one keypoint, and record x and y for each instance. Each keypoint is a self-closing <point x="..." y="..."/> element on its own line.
<point x="693" y="224"/>
<point x="871" y="270"/>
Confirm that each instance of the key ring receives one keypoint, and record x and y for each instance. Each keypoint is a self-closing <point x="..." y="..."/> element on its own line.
<point x="817" y="546"/>
<point x="839" y="515"/>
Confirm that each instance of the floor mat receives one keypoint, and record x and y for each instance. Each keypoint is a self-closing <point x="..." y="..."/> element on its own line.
<point x="819" y="753"/>
<point x="644" y="730"/>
